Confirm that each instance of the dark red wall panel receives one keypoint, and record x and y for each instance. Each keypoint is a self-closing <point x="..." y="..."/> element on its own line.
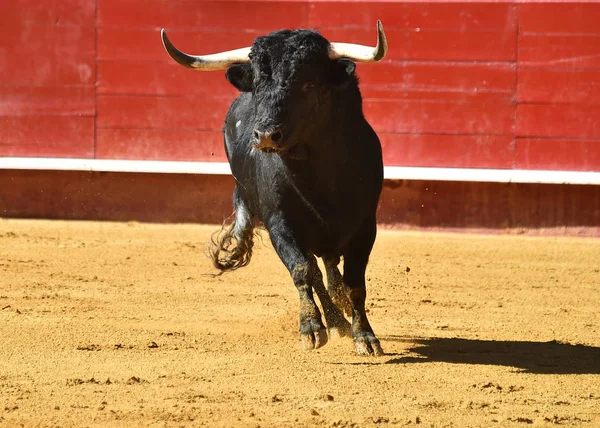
<point x="498" y="208"/>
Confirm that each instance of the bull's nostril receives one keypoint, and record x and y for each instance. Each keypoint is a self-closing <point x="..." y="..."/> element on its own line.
<point x="256" y="135"/>
<point x="276" y="136"/>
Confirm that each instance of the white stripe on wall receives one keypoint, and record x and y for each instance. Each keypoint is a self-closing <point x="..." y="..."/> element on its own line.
<point x="222" y="168"/>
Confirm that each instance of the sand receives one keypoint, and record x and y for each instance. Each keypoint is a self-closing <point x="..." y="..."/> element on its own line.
<point x="122" y="324"/>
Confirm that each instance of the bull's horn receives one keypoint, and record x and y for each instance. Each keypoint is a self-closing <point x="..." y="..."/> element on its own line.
<point x="218" y="61"/>
<point x="360" y="53"/>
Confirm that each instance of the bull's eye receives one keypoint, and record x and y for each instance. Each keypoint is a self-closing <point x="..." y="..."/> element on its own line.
<point x="308" y="86"/>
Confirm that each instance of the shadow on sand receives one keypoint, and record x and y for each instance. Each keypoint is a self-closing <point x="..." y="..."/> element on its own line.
<point x="529" y="357"/>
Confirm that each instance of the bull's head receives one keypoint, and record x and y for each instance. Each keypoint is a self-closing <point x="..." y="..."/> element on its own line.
<point x="294" y="77"/>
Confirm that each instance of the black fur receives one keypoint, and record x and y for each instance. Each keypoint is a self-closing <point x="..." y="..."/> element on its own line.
<point x="316" y="191"/>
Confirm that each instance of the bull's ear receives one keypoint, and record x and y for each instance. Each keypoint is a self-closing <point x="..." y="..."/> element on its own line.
<point x="240" y="76"/>
<point x="343" y="71"/>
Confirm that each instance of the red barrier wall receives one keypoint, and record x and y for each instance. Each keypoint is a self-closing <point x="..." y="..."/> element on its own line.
<point x="474" y="85"/>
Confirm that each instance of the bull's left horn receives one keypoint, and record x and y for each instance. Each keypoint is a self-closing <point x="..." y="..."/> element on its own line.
<point x="218" y="61"/>
<point x="360" y="53"/>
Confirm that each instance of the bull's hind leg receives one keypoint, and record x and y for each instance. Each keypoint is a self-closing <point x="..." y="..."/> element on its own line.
<point x="336" y="323"/>
<point x="312" y="331"/>
<point x="356" y="258"/>
<point x="335" y="285"/>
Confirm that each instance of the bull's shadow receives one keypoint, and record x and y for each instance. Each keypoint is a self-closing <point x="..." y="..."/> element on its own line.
<point x="529" y="357"/>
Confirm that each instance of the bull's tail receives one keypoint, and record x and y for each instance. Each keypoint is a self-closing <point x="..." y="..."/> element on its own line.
<point x="231" y="247"/>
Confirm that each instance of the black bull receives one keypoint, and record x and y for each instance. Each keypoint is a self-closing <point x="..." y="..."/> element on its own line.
<point x="308" y="166"/>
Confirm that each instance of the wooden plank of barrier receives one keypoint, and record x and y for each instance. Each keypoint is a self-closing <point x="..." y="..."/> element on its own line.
<point x="548" y="154"/>
<point x="160" y="144"/>
<point x="64" y="55"/>
<point x="448" y="151"/>
<point x="558" y="121"/>
<point x="47" y="100"/>
<point x="554" y="17"/>
<point x="443" y="81"/>
<point x="258" y="15"/>
<point x="464" y="16"/>
<point x="440" y="44"/>
<point x="559" y="86"/>
<point x="131" y="78"/>
<point x="47" y="136"/>
<point x="48" y="12"/>
<point x="144" y="45"/>
<point x="443" y="117"/>
<point x="207" y="113"/>
<point x="562" y="51"/>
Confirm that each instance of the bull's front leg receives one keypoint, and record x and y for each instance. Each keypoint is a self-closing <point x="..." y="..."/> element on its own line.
<point x="312" y="331"/>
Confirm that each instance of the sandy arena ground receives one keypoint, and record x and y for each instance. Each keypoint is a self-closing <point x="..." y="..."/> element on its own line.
<point x="112" y="324"/>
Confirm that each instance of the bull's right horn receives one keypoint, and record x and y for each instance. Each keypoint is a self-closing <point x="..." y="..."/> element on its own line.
<point x="360" y="53"/>
<point x="218" y="61"/>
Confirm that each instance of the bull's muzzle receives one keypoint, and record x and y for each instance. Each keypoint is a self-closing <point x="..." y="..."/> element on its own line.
<point x="268" y="141"/>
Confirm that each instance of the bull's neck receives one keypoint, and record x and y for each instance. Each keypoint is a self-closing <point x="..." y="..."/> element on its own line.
<point x="320" y="154"/>
<point x="330" y="138"/>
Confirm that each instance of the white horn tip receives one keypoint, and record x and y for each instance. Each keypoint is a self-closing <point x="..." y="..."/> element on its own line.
<point x="163" y="37"/>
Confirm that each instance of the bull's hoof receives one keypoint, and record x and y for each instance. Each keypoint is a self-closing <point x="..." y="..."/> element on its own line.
<point x="314" y="340"/>
<point x="368" y="345"/>
<point x="343" y="329"/>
